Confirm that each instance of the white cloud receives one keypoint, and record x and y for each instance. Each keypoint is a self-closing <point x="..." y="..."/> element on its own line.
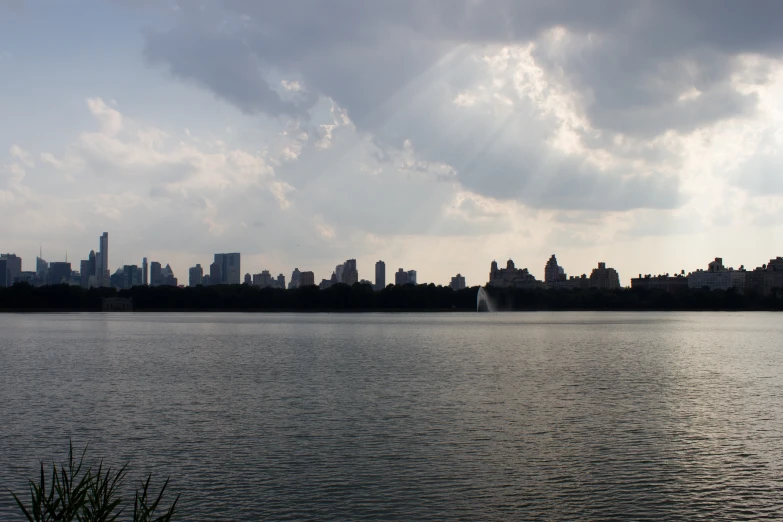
<point x="110" y="119"/>
<point x="20" y="154"/>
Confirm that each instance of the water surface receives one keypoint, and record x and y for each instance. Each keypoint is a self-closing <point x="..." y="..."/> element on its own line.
<point x="409" y="416"/>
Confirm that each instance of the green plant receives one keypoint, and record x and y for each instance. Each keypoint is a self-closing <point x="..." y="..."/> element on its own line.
<point x="77" y="493"/>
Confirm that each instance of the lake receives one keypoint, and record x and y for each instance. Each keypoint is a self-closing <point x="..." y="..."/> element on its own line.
<point x="408" y="416"/>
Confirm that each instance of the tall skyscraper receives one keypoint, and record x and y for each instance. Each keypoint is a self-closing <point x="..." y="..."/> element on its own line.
<point x="458" y="282"/>
<point x="350" y="274"/>
<point x="41" y="267"/>
<point x="102" y="261"/>
<point x="215" y="275"/>
<point x="400" y="277"/>
<point x="195" y="275"/>
<point x="87" y="270"/>
<point x="281" y="281"/>
<point x="156" y="276"/>
<point x="144" y="273"/>
<point x="380" y="275"/>
<point x="339" y="270"/>
<point x="14" y="267"/>
<point x="412" y="277"/>
<point x="230" y="268"/>
<point x="295" y="279"/>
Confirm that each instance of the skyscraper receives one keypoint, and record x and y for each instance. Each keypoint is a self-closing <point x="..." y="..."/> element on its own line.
<point x="195" y="275"/>
<point x="14" y="267"/>
<point x="457" y="282"/>
<point x="380" y="275"/>
<point x="350" y="274"/>
<point x="295" y="277"/>
<point x="131" y="276"/>
<point x="230" y="268"/>
<point x="102" y="261"/>
<point x="401" y="277"/>
<point x="41" y="267"/>
<point x="167" y="276"/>
<point x="412" y="277"/>
<point x="144" y="267"/>
<point x="215" y="273"/>
<point x="156" y="277"/>
<point x="59" y="273"/>
<point x="3" y="273"/>
<point x="306" y="279"/>
<point x="339" y="270"/>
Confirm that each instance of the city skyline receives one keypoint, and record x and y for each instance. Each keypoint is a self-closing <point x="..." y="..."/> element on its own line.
<point x="227" y="269"/>
<point x="514" y="134"/>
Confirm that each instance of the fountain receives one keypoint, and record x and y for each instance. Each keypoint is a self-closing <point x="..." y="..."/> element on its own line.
<point x="483" y="302"/>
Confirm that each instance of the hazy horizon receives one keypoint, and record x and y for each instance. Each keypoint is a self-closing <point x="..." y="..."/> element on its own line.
<point x="436" y="136"/>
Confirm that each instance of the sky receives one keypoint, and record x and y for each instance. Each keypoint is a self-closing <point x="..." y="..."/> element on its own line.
<point x="437" y="136"/>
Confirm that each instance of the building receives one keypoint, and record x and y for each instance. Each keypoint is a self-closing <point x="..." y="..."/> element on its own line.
<point x="400" y="277"/>
<point x="145" y="272"/>
<point x="306" y="279"/>
<point x="167" y="276"/>
<point x="116" y="304"/>
<point x="41" y="267"/>
<point x="412" y="277"/>
<point x="458" y="282"/>
<point x="380" y="275"/>
<point x="717" y="277"/>
<point x="264" y="280"/>
<point x="295" y="279"/>
<point x="4" y="279"/>
<point x="554" y="274"/>
<point x="102" y="261"/>
<point x="766" y="278"/>
<point x="117" y="279"/>
<point x="512" y="277"/>
<point x="87" y="269"/>
<point x="195" y="275"/>
<point x="156" y="275"/>
<point x="604" y="278"/>
<point x="350" y="274"/>
<point x="131" y="276"/>
<point x="13" y="266"/>
<point x="31" y="278"/>
<point x="281" y="281"/>
<point x="59" y="273"/>
<point x="215" y="273"/>
<point x="663" y="282"/>
<point x="339" y="270"/>
<point x="230" y="268"/>
<point x="248" y="279"/>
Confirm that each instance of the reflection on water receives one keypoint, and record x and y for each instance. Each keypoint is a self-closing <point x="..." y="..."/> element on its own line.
<point x="475" y="416"/>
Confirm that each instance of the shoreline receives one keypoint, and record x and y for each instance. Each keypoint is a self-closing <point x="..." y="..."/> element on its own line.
<point x="360" y="311"/>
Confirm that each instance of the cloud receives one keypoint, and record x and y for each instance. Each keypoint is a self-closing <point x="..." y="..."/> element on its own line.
<point x="577" y="92"/>
<point x="110" y="119"/>
<point x="21" y="155"/>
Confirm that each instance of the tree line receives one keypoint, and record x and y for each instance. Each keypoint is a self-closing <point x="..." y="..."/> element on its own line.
<point x="362" y="297"/>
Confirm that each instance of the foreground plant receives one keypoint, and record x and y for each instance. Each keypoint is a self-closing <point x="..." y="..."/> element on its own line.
<point x="77" y="493"/>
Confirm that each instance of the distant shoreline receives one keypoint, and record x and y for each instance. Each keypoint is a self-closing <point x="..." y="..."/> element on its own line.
<point x="29" y="311"/>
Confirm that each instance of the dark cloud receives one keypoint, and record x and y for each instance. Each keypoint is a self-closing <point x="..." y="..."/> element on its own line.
<point x="638" y="69"/>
